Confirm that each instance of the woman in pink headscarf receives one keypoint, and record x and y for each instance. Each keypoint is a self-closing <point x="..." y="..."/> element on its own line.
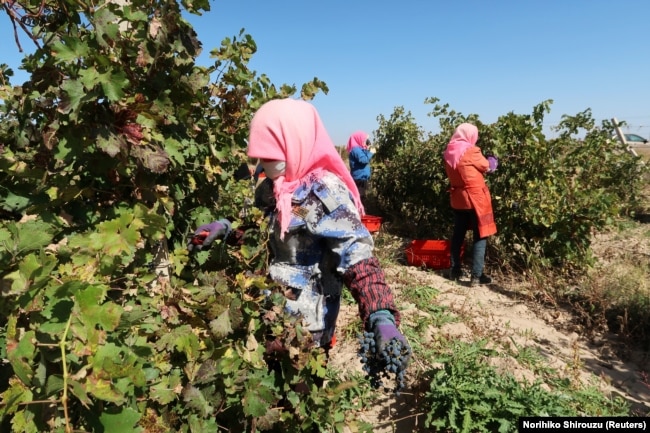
<point x="359" y="156"/>
<point x="318" y="242"/>
<point x="470" y="200"/>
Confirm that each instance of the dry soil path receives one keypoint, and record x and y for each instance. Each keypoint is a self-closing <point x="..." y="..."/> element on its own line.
<point x="503" y="316"/>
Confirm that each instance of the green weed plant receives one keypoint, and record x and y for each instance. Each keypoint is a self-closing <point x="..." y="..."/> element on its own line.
<point x="467" y="394"/>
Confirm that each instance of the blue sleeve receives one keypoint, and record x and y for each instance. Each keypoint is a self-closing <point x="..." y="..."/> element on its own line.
<point x="362" y="156"/>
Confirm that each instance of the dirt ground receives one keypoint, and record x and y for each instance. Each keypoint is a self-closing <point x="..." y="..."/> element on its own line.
<point x="501" y="314"/>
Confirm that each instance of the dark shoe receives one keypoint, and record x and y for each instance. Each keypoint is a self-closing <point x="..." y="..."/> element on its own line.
<point x="455" y="274"/>
<point x="483" y="279"/>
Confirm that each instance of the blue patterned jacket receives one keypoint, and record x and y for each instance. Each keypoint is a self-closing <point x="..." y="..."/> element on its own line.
<point x="324" y="240"/>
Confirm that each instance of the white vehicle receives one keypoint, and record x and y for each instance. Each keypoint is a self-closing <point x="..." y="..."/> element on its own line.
<point x="635" y="140"/>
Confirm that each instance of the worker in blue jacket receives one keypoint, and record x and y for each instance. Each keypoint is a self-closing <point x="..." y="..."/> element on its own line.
<point x="359" y="154"/>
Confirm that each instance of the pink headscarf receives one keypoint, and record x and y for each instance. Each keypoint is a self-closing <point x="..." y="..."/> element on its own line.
<point x="465" y="136"/>
<point x="291" y="130"/>
<point x="357" y="139"/>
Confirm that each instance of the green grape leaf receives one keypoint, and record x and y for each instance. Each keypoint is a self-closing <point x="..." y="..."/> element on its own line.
<point x="69" y="49"/>
<point x="23" y="421"/>
<point x="229" y="362"/>
<point x="79" y="391"/>
<point x="75" y="93"/>
<point x="318" y="366"/>
<point x="274" y="414"/>
<point x="16" y="393"/>
<point x="113" y="84"/>
<point x="111" y="144"/>
<point x="12" y="201"/>
<point x="54" y="384"/>
<point x="106" y="25"/>
<point x="167" y="390"/>
<point x="108" y="316"/>
<point x="181" y="339"/>
<point x="88" y="77"/>
<point x="194" y="399"/>
<point x="221" y="326"/>
<point x="174" y="149"/>
<point x="120" y="420"/>
<point x="188" y="344"/>
<point x="259" y="396"/>
<point x="121" y="365"/>
<point x="103" y="389"/>
<point x="207" y="372"/>
<point x="202" y="425"/>
<point x="21" y="356"/>
<point x="33" y="272"/>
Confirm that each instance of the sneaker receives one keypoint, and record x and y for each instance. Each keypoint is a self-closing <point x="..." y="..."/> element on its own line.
<point x="455" y="274"/>
<point x="483" y="279"/>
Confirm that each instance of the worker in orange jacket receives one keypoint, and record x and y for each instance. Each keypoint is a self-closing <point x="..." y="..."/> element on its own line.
<point x="470" y="200"/>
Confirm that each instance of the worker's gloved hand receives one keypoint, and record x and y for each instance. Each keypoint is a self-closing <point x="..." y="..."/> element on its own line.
<point x="384" y="349"/>
<point x="207" y="233"/>
<point x="493" y="163"/>
<point x="392" y="346"/>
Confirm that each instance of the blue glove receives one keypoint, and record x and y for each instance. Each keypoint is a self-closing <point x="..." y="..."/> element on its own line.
<point x="384" y="350"/>
<point x="207" y="233"/>
<point x="493" y="163"/>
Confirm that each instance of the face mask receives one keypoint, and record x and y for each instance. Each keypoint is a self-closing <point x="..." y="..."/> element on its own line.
<point x="274" y="169"/>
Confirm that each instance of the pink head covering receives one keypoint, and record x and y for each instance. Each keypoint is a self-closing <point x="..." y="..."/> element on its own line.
<point x="465" y="136"/>
<point x="357" y="139"/>
<point x="291" y="130"/>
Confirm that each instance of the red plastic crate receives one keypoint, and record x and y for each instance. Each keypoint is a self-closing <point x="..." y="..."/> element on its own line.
<point x="431" y="253"/>
<point x="372" y="223"/>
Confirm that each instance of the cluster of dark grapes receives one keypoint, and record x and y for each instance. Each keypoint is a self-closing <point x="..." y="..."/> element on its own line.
<point x="391" y="361"/>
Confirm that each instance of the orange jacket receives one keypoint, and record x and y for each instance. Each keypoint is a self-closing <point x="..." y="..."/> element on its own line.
<point x="469" y="191"/>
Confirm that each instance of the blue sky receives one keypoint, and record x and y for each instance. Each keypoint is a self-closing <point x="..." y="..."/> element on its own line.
<point x="488" y="57"/>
